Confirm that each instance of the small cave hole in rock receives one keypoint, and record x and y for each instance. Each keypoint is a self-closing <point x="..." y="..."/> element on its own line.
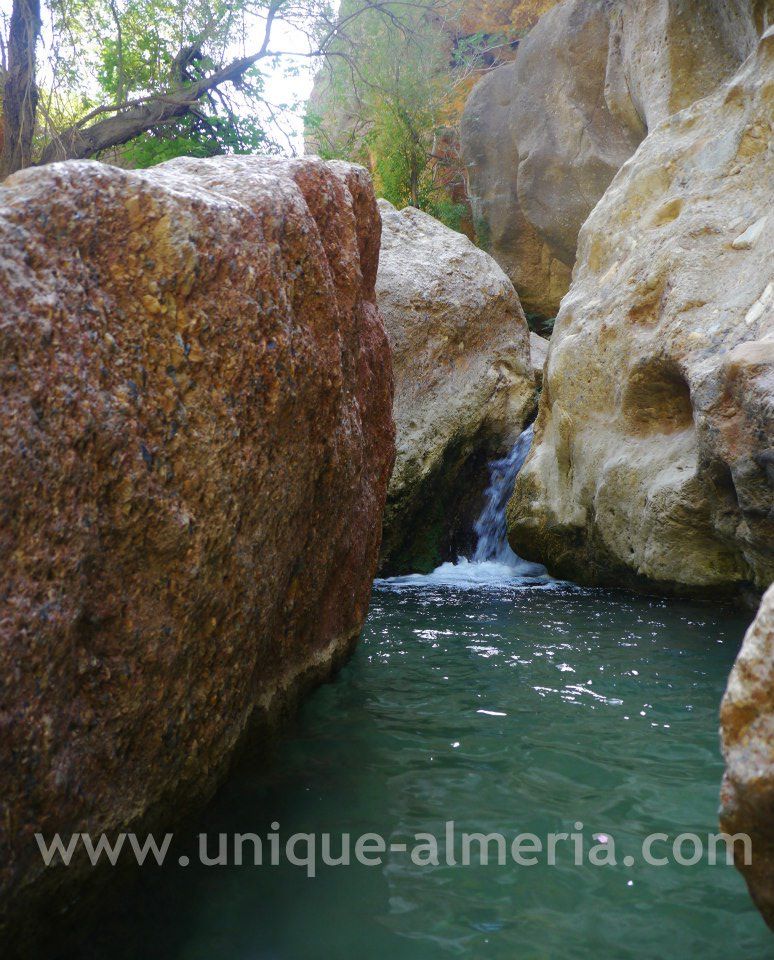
<point x="657" y="399"/>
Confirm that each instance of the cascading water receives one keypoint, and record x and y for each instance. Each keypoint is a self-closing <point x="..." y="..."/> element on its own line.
<point x="490" y="526"/>
<point x="493" y="560"/>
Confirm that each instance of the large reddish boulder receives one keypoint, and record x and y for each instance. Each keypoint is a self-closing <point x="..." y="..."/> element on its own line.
<point x="195" y="443"/>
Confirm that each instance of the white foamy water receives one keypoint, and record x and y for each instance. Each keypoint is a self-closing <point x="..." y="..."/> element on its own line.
<point x="493" y="562"/>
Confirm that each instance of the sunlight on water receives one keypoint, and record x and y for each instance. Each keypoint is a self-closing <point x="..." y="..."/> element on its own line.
<point x="490" y="695"/>
<point x="511" y="710"/>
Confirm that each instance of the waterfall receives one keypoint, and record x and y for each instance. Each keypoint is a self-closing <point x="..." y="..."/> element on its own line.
<point x="493" y="562"/>
<point x="490" y="526"/>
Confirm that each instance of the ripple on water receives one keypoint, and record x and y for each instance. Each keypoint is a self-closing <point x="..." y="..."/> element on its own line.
<point x="518" y="708"/>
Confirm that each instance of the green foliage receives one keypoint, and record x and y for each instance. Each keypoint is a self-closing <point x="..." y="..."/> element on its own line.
<point x="471" y="47"/>
<point x="393" y="91"/>
<point x="483" y="233"/>
<point x="115" y="49"/>
<point x="103" y="53"/>
<point x="314" y="129"/>
<point x="194" y="137"/>
<point x="448" y="212"/>
<point x="155" y="71"/>
<point x="540" y="324"/>
<point x="384" y="100"/>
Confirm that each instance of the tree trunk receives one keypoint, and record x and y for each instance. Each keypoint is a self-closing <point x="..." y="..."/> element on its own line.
<point x="20" y="91"/>
<point x="414" y="185"/>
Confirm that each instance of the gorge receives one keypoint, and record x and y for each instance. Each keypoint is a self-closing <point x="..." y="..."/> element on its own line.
<point x="324" y="514"/>
<point x="499" y="701"/>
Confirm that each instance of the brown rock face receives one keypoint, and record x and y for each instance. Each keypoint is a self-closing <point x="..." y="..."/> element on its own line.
<point x="653" y="446"/>
<point x="492" y="159"/>
<point x="543" y="137"/>
<point x="463" y="383"/>
<point x="195" y="443"/>
<point x="747" y="732"/>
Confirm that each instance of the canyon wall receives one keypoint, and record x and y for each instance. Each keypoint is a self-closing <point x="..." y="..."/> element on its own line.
<point x="464" y="384"/>
<point x="195" y="443"/>
<point x="460" y="38"/>
<point x="543" y="136"/>
<point x="653" y="455"/>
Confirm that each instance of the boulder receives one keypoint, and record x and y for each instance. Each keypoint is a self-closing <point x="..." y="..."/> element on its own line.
<point x="569" y="144"/>
<point x="463" y="382"/>
<point x="195" y="443"/>
<point x="543" y="137"/>
<point x="747" y="735"/>
<point x="652" y="461"/>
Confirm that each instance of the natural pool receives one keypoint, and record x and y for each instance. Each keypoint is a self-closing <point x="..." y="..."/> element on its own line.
<point x="504" y="707"/>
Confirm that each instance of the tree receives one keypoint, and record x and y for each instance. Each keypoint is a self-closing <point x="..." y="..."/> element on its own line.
<point x="20" y="91"/>
<point x="402" y="81"/>
<point x="381" y="100"/>
<point x="168" y="71"/>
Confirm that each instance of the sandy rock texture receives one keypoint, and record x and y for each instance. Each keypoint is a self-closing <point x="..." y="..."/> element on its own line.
<point x="492" y="161"/>
<point x="195" y="443"/>
<point x="653" y="453"/>
<point x="463" y="382"/>
<point x="538" y="352"/>
<point x="747" y="734"/>
<point x="543" y="136"/>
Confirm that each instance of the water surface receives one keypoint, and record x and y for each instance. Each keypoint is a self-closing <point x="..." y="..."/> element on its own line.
<point x="509" y="707"/>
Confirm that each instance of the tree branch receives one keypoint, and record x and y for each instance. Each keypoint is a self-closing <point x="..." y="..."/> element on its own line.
<point x="132" y="119"/>
<point x="111" y="125"/>
<point x="78" y="142"/>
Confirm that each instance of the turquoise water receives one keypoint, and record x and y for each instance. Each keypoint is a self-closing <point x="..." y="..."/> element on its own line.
<point x="511" y="709"/>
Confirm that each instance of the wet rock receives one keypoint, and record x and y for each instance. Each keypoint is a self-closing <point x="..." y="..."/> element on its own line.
<point x="747" y="732"/>
<point x="195" y="446"/>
